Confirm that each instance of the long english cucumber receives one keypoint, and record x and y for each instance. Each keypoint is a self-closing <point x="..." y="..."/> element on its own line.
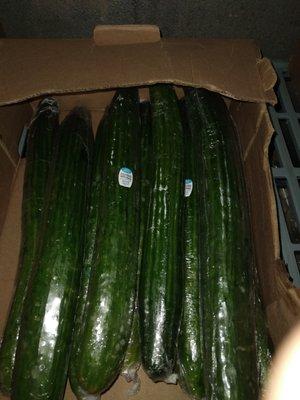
<point x="43" y="349"/>
<point x="109" y="304"/>
<point x="160" y="279"/>
<point x="190" y="340"/>
<point x="40" y="142"/>
<point x="225" y="253"/>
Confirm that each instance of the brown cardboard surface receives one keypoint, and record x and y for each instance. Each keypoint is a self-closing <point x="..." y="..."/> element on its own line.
<point x="12" y="120"/>
<point x="149" y="390"/>
<point x="7" y="172"/>
<point x="284" y="313"/>
<point x="231" y="67"/>
<point x="10" y="244"/>
<point x="125" y="34"/>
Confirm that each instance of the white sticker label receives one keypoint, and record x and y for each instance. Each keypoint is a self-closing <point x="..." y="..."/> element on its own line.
<point x="188" y="187"/>
<point x="125" y="177"/>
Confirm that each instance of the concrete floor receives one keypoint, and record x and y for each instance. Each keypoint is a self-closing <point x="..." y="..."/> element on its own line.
<point x="275" y="24"/>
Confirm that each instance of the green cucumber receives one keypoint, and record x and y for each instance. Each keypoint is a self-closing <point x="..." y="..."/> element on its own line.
<point x="40" y="140"/>
<point x="47" y="322"/>
<point x="132" y="359"/>
<point x="190" y="339"/>
<point x="225" y="253"/>
<point x="109" y="307"/>
<point x="160" y="279"/>
<point x="92" y="222"/>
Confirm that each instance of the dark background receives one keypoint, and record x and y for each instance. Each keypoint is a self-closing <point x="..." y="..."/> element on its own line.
<point x="274" y="23"/>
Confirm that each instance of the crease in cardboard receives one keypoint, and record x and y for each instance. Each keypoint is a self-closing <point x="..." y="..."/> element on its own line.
<point x="7" y="153"/>
<point x="254" y="137"/>
<point x="272" y="201"/>
<point x="267" y="73"/>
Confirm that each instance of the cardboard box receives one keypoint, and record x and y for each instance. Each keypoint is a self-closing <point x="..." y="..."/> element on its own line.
<point x="85" y="72"/>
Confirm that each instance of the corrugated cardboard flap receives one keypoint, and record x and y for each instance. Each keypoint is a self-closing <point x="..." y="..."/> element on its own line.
<point x="33" y="67"/>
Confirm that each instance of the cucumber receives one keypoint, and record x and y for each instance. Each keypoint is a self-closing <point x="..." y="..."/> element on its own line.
<point x="132" y="359"/>
<point x="225" y="253"/>
<point x="47" y="322"/>
<point x="89" y="248"/>
<point x="41" y="136"/>
<point x="160" y="279"/>
<point x="190" y="339"/>
<point x="109" y="307"/>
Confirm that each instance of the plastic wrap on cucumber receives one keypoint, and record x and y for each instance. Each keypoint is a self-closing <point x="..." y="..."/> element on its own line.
<point x="225" y="253"/>
<point x="92" y="221"/>
<point x="39" y="153"/>
<point x="105" y="330"/>
<point x="160" y="278"/>
<point x="46" y="328"/>
<point x="190" y="339"/>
